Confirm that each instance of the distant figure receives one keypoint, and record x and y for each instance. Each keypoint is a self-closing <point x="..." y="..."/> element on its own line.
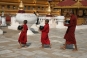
<point x="23" y="35"/>
<point x="44" y="35"/>
<point x="70" y="33"/>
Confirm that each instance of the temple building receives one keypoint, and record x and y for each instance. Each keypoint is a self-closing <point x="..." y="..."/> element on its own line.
<point x="43" y="28"/>
<point x="46" y="7"/>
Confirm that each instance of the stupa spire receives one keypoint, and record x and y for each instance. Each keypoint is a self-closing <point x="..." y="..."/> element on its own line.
<point x="21" y="6"/>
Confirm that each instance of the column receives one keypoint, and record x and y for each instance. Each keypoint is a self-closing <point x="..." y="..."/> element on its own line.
<point x="0" y="19"/>
<point x="16" y="7"/>
<point x="14" y="24"/>
<point x="3" y="21"/>
<point x="1" y="32"/>
<point x="0" y="7"/>
<point x="11" y="7"/>
<point x="26" y="7"/>
<point x="60" y="20"/>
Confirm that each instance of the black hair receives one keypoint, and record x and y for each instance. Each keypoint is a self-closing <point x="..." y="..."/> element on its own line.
<point x="25" y="21"/>
<point x="47" y="20"/>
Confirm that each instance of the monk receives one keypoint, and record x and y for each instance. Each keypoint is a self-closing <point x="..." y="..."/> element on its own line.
<point x="23" y="35"/>
<point x="70" y="33"/>
<point x="44" y="34"/>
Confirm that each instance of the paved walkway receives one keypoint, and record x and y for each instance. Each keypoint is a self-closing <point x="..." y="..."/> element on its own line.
<point x="9" y="45"/>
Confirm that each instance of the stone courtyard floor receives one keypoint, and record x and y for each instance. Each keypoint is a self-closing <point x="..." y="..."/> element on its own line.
<point x="9" y="45"/>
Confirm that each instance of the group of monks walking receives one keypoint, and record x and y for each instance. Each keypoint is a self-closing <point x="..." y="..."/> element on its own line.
<point x="69" y="35"/>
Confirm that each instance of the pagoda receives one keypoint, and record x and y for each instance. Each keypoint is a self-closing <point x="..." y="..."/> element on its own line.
<point x="21" y="8"/>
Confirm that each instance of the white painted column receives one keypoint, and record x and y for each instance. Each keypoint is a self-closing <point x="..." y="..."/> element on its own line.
<point x="51" y="22"/>
<point x="3" y="18"/>
<point x="14" y="24"/>
<point x="42" y="20"/>
<point x="1" y="31"/>
<point x="60" y="22"/>
<point x="0" y="20"/>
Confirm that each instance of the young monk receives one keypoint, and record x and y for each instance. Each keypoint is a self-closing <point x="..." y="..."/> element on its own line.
<point x="70" y="33"/>
<point x="23" y="35"/>
<point x="44" y="34"/>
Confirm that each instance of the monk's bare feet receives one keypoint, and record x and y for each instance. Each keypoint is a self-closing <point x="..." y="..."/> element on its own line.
<point x="75" y="50"/>
<point x="63" y="48"/>
<point x="19" y="47"/>
<point x="41" y="47"/>
<point x="25" y="46"/>
<point x="50" y="45"/>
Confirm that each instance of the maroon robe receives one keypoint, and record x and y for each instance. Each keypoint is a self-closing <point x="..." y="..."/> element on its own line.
<point x="44" y="35"/>
<point x="23" y="35"/>
<point x="70" y="33"/>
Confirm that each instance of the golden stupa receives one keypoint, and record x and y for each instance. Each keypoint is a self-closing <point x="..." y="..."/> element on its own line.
<point x="21" y="6"/>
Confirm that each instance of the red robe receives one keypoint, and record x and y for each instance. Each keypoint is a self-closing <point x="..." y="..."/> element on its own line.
<point x="70" y="33"/>
<point x="23" y="35"/>
<point x="44" y="35"/>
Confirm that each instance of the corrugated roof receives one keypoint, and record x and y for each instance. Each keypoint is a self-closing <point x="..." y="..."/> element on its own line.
<point x="84" y="2"/>
<point x="66" y="3"/>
